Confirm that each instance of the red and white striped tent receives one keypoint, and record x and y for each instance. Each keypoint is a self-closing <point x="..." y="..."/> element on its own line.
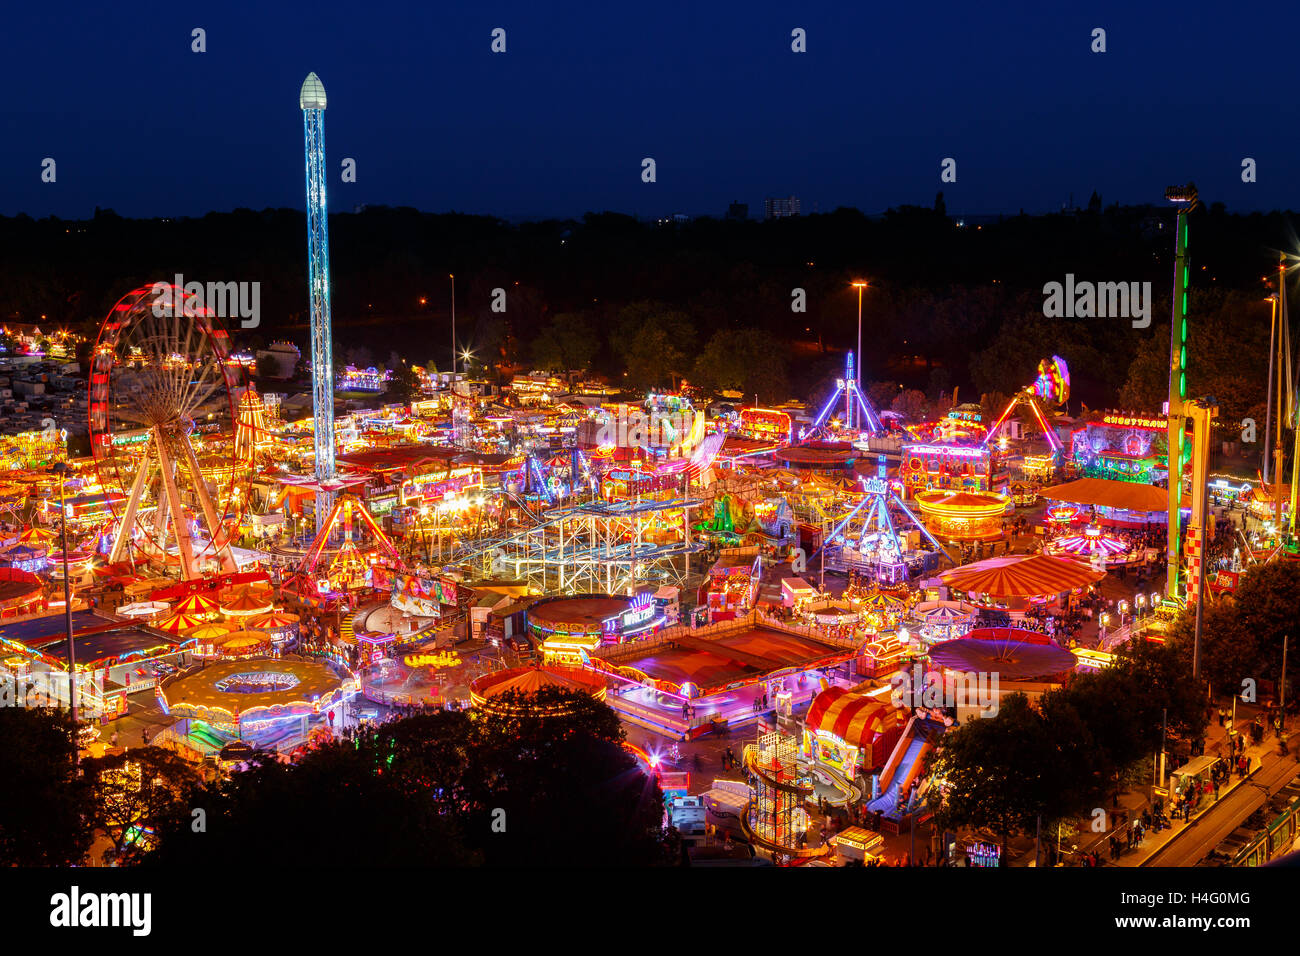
<point x="1021" y="576"/>
<point x="869" y="723"/>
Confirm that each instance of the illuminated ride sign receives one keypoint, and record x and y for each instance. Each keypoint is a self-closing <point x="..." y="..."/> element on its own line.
<point x="876" y="486"/>
<point x="426" y="488"/>
<point x="1136" y="421"/>
<point x="639" y="618"/>
<point x="642" y="482"/>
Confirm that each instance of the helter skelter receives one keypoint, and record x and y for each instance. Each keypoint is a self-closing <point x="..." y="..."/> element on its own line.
<point x="160" y="365"/>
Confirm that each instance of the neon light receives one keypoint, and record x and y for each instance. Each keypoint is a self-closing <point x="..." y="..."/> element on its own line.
<point x="958" y="451"/>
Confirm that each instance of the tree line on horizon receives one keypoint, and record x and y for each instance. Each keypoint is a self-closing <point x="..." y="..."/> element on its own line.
<point x="707" y="300"/>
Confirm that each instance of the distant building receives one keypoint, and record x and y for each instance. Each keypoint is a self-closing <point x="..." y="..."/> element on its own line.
<point x="775" y="208"/>
<point x="738" y="210"/>
<point x="356" y="379"/>
<point x="286" y="357"/>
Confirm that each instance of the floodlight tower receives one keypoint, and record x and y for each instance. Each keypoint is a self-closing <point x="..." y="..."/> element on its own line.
<point x="312" y="102"/>
<point x="1185" y="198"/>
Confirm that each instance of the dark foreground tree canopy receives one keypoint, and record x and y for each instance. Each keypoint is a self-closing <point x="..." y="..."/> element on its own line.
<point x="444" y="789"/>
<point x="1062" y="756"/>
<point x="43" y="802"/>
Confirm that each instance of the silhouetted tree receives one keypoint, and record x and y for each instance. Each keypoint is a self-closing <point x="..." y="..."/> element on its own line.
<point x="44" y="802"/>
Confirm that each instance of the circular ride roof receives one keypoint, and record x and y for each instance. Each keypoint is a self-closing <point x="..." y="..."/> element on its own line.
<point x="18" y="587"/>
<point x="1020" y="576"/>
<point x="529" y="680"/>
<point x="957" y="502"/>
<point x="1010" y="658"/>
<point x="590" y="611"/>
<point x="831" y="455"/>
<point x="315" y="687"/>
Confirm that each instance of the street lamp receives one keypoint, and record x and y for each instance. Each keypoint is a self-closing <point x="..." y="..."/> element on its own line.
<point x="61" y="470"/>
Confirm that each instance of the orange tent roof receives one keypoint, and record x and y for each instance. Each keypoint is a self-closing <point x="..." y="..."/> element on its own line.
<point x="1105" y="493"/>
<point x="1023" y="576"/>
<point x="963" y="499"/>
<point x="243" y="644"/>
<point x="244" y="639"/>
<point x="209" y="631"/>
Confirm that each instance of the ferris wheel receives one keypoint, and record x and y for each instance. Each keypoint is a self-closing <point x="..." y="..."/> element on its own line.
<point x="163" y="398"/>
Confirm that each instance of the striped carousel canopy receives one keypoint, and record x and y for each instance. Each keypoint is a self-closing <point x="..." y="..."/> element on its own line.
<point x="37" y="536"/>
<point x="196" y="604"/>
<point x="944" y="612"/>
<point x="1023" y="576"/>
<point x="274" y="621"/>
<point x="178" y="623"/>
<point x="884" y="603"/>
<point x="246" y="603"/>
<point x="853" y="717"/>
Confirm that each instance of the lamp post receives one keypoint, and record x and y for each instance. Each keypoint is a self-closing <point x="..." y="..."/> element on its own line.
<point x="61" y="470"/>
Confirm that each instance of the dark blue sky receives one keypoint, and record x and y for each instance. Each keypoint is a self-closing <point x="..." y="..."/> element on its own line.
<point x="558" y="125"/>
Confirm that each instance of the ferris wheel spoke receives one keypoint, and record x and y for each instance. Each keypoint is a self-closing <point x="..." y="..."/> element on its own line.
<point x="163" y="370"/>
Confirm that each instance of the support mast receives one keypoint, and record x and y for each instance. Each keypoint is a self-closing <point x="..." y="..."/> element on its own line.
<point x="312" y="102"/>
<point x="1185" y="197"/>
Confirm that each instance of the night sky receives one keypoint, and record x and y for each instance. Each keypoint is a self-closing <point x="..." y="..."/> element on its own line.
<point x="559" y="124"/>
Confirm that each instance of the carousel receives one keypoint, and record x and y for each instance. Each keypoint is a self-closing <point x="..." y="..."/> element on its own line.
<point x="939" y="621"/>
<point x="1096" y="547"/>
<point x="269" y="703"/>
<point x="513" y="692"/>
